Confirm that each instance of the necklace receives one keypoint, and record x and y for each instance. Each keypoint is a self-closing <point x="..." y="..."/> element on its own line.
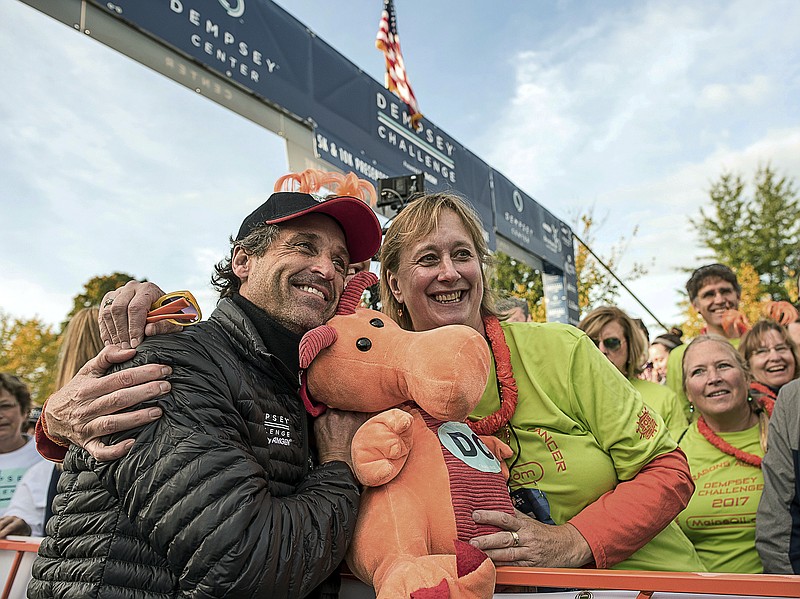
<point x="763" y="391"/>
<point x="505" y="376"/>
<point x="727" y="448"/>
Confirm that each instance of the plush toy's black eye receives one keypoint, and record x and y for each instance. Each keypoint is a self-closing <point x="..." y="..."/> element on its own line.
<point x="377" y="323"/>
<point x="364" y="344"/>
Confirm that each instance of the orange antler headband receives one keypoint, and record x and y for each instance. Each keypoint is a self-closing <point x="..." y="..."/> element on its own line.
<point x="312" y="180"/>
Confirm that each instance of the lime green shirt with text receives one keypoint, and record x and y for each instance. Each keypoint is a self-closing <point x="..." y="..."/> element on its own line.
<point x="579" y="429"/>
<point x="665" y="403"/>
<point x="721" y="516"/>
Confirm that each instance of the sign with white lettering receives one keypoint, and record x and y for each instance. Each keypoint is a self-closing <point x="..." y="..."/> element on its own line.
<point x="520" y="219"/>
<point x="359" y="125"/>
<point x="251" y="54"/>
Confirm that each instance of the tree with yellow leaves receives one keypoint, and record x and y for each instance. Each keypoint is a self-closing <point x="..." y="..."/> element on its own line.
<point x="28" y="349"/>
<point x="596" y="287"/>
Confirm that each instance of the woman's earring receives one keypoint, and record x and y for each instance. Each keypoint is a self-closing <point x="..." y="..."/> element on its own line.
<point x="691" y="408"/>
<point x="400" y="311"/>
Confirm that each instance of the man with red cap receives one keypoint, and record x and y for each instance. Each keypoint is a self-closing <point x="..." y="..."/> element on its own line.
<point x="222" y="495"/>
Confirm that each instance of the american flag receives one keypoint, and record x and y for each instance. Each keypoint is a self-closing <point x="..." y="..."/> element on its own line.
<point x="388" y="42"/>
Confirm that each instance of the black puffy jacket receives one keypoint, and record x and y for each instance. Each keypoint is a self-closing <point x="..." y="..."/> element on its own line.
<point x="216" y="499"/>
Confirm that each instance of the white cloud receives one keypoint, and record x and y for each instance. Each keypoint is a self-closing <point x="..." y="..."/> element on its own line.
<point x="717" y="96"/>
<point x="638" y="114"/>
<point x="633" y="107"/>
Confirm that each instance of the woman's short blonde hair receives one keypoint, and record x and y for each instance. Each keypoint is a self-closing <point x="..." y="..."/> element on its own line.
<point x="80" y="342"/>
<point x="417" y="220"/>
<point x="594" y="322"/>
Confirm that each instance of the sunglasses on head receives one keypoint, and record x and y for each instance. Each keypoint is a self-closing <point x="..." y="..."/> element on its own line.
<point x="178" y="307"/>
<point x="610" y="343"/>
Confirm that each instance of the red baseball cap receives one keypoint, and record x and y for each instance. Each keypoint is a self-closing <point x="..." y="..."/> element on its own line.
<point x="361" y="229"/>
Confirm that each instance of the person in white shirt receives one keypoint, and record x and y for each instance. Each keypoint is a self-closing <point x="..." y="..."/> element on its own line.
<point x="17" y="451"/>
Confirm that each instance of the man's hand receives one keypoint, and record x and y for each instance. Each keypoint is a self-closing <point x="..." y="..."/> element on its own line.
<point x="334" y="432"/>
<point x="524" y="541"/>
<point x="12" y="525"/>
<point x="123" y="315"/>
<point x="84" y="409"/>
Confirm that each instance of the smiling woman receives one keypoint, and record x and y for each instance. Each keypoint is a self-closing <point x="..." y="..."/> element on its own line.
<point x="562" y="407"/>
<point x="772" y="357"/>
<point x="724" y="446"/>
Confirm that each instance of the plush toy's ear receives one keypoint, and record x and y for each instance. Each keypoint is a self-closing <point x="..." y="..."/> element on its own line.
<point x="314" y="342"/>
<point x="352" y="293"/>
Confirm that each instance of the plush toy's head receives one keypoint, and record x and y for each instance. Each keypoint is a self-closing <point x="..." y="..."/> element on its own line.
<point x="362" y="361"/>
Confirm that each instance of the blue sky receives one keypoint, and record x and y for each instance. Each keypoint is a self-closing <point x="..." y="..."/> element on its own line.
<point x="632" y="108"/>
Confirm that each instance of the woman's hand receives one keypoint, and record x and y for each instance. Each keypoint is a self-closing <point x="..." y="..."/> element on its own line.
<point x="123" y="315"/>
<point x="13" y="525"/>
<point x="524" y="541"/>
<point x="83" y="410"/>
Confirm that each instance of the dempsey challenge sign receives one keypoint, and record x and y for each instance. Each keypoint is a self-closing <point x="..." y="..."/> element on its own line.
<point x="257" y="51"/>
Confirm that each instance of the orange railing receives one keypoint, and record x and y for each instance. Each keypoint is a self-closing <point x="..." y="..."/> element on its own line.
<point x="646" y="583"/>
<point x="19" y="546"/>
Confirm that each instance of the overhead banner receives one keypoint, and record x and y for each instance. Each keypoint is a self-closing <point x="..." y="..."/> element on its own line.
<point x="519" y="218"/>
<point x="525" y="222"/>
<point x="359" y="126"/>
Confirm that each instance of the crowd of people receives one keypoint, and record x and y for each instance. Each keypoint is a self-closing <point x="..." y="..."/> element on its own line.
<point x="190" y="465"/>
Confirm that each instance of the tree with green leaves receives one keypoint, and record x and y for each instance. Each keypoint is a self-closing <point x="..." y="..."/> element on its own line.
<point x="512" y="278"/>
<point x="761" y="229"/>
<point x="596" y="287"/>
<point x="93" y="291"/>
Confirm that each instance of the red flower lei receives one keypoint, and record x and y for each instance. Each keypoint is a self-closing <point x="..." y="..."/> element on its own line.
<point x="725" y="447"/>
<point x="764" y="391"/>
<point x="505" y="376"/>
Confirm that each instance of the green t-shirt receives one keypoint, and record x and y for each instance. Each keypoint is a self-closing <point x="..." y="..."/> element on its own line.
<point x="721" y="517"/>
<point x="662" y="400"/>
<point x="582" y="428"/>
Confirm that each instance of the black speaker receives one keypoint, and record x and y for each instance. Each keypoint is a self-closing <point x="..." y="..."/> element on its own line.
<point x="396" y="192"/>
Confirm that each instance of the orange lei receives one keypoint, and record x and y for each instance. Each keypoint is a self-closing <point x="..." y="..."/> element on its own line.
<point x="505" y="376"/>
<point x="764" y="391"/>
<point x="725" y="447"/>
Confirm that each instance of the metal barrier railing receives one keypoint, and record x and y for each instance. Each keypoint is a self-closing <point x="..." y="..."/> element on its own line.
<point x="19" y="546"/>
<point x="647" y="583"/>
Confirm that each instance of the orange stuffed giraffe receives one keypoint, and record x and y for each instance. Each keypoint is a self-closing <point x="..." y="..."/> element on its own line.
<point x="424" y="470"/>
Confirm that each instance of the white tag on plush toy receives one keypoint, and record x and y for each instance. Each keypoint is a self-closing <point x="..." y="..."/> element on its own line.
<point x="463" y="443"/>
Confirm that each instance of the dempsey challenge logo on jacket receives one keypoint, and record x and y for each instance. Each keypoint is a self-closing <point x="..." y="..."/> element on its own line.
<point x="278" y="429"/>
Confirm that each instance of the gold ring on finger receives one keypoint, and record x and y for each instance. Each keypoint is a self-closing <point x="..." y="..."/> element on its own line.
<point x="515" y="536"/>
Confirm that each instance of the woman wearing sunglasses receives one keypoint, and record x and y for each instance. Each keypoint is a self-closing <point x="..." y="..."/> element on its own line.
<point x="623" y="343"/>
<point x="771" y="356"/>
